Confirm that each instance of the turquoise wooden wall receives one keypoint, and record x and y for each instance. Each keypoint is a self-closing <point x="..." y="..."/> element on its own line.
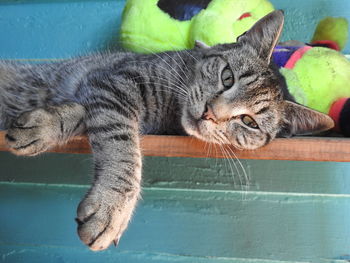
<point x="193" y="210"/>
<point x="32" y="29"/>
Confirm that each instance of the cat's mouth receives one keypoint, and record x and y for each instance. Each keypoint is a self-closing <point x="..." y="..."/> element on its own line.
<point x="198" y="127"/>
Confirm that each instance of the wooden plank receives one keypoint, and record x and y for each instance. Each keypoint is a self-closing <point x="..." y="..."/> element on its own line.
<point x="298" y="148"/>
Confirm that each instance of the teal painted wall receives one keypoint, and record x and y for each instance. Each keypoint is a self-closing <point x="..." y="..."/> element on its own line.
<point x="60" y="29"/>
<point x="178" y="225"/>
<point x="193" y="210"/>
<point x="303" y="16"/>
<point x="189" y="173"/>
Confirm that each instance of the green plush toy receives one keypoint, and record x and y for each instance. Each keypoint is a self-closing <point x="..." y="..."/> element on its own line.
<point x="161" y="25"/>
<point x="317" y="75"/>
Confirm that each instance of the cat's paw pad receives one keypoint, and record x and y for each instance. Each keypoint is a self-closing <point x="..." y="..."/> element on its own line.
<point x="32" y="133"/>
<point x="102" y="218"/>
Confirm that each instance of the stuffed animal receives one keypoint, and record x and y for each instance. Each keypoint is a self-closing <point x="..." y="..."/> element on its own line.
<point x="317" y="75"/>
<point x="161" y="25"/>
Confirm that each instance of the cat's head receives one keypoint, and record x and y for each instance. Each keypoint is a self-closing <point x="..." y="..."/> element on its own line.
<point x="238" y="97"/>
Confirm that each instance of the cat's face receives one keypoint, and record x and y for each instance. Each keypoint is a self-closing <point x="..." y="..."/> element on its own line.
<point x="238" y="98"/>
<point x="235" y="98"/>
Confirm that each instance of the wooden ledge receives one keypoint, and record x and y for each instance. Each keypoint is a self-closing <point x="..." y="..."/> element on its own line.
<point x="328" y="149"/>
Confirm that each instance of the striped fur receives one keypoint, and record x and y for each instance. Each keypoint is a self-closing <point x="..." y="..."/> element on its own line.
<point x="115" y="97"/>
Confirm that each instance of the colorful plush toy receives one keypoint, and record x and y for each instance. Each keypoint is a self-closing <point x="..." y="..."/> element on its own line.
<point x="160" y="25"/>
<point x="317" y="75"/>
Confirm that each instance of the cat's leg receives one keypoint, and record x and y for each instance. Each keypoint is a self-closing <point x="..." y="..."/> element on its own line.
<point x="104" y="213"/>
<point x="112" y="125"/>
<point x="36" y="131"/>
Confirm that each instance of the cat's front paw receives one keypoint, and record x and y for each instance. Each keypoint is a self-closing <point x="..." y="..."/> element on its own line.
<point x="32" y="133"/>
<point x="103" y="216"/>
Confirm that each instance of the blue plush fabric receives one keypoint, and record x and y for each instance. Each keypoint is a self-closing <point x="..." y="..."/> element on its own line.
<point x="182" y="9"/>
<point x="281" y="54"/>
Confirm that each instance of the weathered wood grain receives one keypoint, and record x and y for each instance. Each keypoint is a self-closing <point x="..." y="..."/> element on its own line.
<point x="298" y="148"/>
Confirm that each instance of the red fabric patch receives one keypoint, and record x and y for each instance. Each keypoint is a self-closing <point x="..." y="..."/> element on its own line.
<point x="245" y="15"/>
<point x="335" y="110"/>
<point x="329" y="43"/>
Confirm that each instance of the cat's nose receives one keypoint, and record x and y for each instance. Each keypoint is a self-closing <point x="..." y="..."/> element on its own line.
<point x="209" y="114"/>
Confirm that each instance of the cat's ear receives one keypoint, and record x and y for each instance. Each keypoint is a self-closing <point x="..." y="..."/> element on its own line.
<point x="201" y="45"/>
<point x="300" y="120"/>
<point x="264" y="34"/>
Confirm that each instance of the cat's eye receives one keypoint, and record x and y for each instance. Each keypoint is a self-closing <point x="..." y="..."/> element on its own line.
<point x="227" y="78"/>
<point x="249" y="121"/>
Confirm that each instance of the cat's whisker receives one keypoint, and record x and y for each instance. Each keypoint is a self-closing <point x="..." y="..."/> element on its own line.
<point x="183" y="62"/>
<point x="177" y="53"/>
<point x="148" y="62"/>
<point x="162" y="59"/>
<point x="173" y="84"/>
<point x="207" y="149"/>
<point x="222" y="139"/>
<point x="184" y="42"/>
<point x="245" y="184"/>
<point x="185" y="92"/>
<point x="188" y="53"/>
<point x="212" y="147"/>
<point x="161" y="67"/>
<point x="165" y="69"/>
<point x="224" y="161"/>
<point x="215" y="146"/>
<point x="229" y="161"/>
<point x="176" y="62"/>
<point x="229" y="148"/>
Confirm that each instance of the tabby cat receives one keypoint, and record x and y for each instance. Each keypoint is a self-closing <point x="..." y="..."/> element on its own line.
<point x="226" y="94"/>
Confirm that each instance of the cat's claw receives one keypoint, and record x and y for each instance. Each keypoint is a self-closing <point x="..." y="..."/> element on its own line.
<point x="116" y="242"/>
<point x="102" y="218"/>
<point x="32" y="133"/>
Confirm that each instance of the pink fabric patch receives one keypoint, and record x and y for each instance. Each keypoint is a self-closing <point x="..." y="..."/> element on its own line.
<point x="296" y="56"/>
